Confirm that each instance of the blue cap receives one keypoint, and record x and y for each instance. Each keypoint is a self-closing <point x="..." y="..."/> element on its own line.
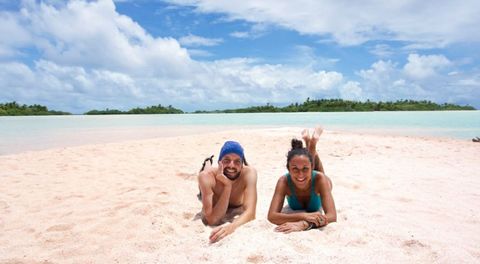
<point x="231" y="147"/>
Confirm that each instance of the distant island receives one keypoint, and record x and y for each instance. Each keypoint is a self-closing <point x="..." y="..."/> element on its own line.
<point x="339" y="105"/>
<point x="14" y="109"/>
<point x="156" y="109"/>
<point x="321" y="105"/>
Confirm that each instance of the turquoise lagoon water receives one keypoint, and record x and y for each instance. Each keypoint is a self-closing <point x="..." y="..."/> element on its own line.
<point x="40" y="132"/>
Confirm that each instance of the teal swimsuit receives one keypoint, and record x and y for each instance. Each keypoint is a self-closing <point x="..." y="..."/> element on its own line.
<point x="315" y="202"/>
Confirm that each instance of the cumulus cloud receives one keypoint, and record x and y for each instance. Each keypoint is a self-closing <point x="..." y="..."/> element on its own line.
<point x="195" y="41"/>
<point x="256" y="31"/>
<point x="420" y="67"/>
<point x="382" y="50"/>
<point x="14" y="36"/>
<point x="386" y="80"/>
<point x="92" y="57"/>
<point x="88" y="56"/>
<point x="93" y="34"/>
<point x="352" y="91"/>
<point x="434" y="23"/>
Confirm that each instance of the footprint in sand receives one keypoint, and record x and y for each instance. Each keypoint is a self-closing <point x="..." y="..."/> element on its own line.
<point x="56" y="234"/>
<point x="187" y="215"/>
<point x="256" y="259"/>
<point x="187" y="176"/>
<point x="357" y="242"/>
<point x="3" y="206"/>
<point x="162" y="193"/>
<point x="60" y="227"/>
<point x="404" y="200"/>
<point x="121" y="206"/>
<point x="142" y="210"/>
<point x="419" y="249"/>
<point x="413" y="243"/>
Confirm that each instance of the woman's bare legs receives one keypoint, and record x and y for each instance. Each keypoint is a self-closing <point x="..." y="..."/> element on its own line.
<point x="311" y="145"/>
<point x="207" y="163"/>
<point x="312" y="148"/>
<point x="315" y="137"/>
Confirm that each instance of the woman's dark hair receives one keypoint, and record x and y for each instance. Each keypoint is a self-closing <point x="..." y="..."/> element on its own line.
<point x="298" y="150"/>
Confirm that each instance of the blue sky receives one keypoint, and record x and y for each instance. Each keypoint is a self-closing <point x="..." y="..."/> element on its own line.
<point x="203" y="54"/>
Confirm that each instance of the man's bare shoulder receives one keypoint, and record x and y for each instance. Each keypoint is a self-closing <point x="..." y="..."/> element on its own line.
<point x="249" y="174"/>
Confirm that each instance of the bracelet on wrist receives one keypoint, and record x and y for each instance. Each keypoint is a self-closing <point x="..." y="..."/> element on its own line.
<point x="310" y="226"/>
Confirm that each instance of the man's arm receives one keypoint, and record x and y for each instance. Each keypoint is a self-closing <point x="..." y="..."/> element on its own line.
<point x="213" y="213"/>
<point x="249" y="206"/>
<point x="250" y="200"/>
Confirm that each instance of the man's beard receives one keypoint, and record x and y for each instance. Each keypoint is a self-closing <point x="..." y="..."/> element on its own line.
<point x="232" y="178"/>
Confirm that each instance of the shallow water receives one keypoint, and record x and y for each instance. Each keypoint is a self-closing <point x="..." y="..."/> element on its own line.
<point x="24" y="133"/>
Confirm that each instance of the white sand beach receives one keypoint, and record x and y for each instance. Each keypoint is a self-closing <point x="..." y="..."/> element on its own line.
<point x="399" y="200"/>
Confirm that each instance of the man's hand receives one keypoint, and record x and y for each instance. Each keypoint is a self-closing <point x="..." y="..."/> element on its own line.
<point x="221" y="232"/>
<point x="291" y="227"/>
<point x="219" y="176"/>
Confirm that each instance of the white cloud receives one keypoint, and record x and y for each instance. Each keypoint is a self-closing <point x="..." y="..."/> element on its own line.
<point x="352" y="91"/>
<point x="199" y="53"/>
<point x="16" y="78"/>
<point x="473" y="82"/>
<point x="382" y="50"/>
<point x="195" y="41"/>
<point x="256" y="31"/>
<point x="303" y="56"/>
<point x="243" y="81"/>
<point x="93" y="34"/>
<point x="434" y="23"/>
<point x="92" y="57"/>
<point x="420" y="67"/>
<point x="236" y="81"/>
<point x="240" y="34"/>
<point x="387" y="81"/>
<point x="382" y="82"/>
<point x="14" y="36"/>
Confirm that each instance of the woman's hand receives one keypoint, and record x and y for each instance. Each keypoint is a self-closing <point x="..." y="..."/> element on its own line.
<point x="316" y="218"/>
<point x="292" y="227"/>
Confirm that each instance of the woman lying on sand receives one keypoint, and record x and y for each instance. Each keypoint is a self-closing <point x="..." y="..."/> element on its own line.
<point x="306" y="188"/>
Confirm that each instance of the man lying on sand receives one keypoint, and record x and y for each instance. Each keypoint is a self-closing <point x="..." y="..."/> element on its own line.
<point x="232" y="184"/>
<point x="306" y="187"/>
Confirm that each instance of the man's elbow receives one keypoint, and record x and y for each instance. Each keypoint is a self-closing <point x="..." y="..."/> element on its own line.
<point x="210" y="220"/>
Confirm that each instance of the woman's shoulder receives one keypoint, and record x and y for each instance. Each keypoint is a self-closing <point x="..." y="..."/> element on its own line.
<point x="282" y="185"/>
<point x="320" y="179"/>
<point x="318" y="173"/>
<point x="282" y="179"/>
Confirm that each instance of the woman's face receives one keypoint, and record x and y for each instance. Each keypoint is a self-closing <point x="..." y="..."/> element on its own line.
<point x="300" y="169"/>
